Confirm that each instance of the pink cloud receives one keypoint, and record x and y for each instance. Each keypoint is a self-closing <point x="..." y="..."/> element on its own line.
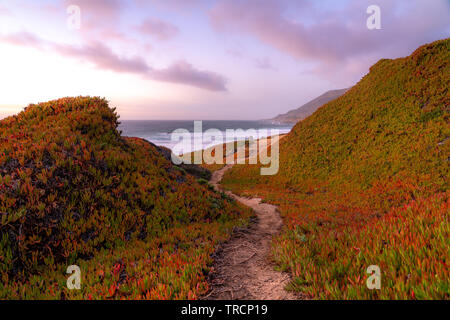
<point x="266" y="21"/>
<point x="183" y="72"/>
<point x="23" y="39"/>
<point x="159" y="29"/>
<point x="177" y="5"/>
<point x="104" y="58"/>
<point x="334" y="39"/>
<point x="101" y="19"/>
<point x="100" y="10"/>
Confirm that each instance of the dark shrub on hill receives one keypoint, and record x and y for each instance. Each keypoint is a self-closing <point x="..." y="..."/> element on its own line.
<point x="70" y="185"/>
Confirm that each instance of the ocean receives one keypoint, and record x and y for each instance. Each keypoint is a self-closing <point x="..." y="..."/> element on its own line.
<point x="160" y="132"/>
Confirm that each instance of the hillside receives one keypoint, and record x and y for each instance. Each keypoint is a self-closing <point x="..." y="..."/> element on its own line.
<point x="364" y="181"/>
<point x="73" y="191"/>
<point x="309" y="108"/>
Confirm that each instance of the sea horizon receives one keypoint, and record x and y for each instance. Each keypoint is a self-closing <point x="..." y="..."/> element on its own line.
<point x="159" y="131"/>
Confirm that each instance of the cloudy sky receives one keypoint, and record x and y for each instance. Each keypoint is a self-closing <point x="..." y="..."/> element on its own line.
<point x="201" y="59"/>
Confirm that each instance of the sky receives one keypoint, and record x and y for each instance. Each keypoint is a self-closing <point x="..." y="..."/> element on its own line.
<point x="201" y="59"/>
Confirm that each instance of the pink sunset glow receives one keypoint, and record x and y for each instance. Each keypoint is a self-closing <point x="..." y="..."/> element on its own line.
<point x="201" y="59"/>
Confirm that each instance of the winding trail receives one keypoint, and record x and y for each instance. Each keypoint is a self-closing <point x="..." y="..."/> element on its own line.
<point x="242" y="268"/>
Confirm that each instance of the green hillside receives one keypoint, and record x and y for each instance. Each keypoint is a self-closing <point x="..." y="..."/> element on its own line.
<point x="73" y="191"/>
<point x="364" y="181"/>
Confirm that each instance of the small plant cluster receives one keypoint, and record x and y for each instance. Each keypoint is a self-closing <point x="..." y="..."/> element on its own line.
<point x="364" y="181"/>
<point x="229" y="150"/>
<point x="73" y="191"/>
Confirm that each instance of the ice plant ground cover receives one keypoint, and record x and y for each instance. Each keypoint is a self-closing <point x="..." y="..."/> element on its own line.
<point x="364" y="181"/>
<point x="73" y="191"/>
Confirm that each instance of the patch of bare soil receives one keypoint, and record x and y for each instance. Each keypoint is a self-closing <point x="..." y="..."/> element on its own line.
<point x="242" y="268"/>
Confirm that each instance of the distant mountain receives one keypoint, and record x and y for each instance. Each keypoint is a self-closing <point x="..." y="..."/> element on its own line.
<point x="309" y="108"/>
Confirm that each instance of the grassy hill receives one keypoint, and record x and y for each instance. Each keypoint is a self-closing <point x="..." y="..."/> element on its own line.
<point x="309" y="108"/>
<point x="73" y="191"/>
<point x="364" y="181"/>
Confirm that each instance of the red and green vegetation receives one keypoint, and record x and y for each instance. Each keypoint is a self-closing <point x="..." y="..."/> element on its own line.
<point x="231" y="157"/>
<point x="228" y="150"/>
<point x="73" y="191"/>
<point x="364" y="181"/>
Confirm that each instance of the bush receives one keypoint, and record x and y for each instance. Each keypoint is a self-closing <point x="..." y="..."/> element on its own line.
<point x="72" y="187"/>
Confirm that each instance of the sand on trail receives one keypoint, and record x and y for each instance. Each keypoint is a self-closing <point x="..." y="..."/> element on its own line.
<point x="242" y="267"/>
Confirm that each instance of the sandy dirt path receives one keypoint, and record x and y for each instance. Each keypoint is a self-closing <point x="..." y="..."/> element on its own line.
<point x="242" y="267"/>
